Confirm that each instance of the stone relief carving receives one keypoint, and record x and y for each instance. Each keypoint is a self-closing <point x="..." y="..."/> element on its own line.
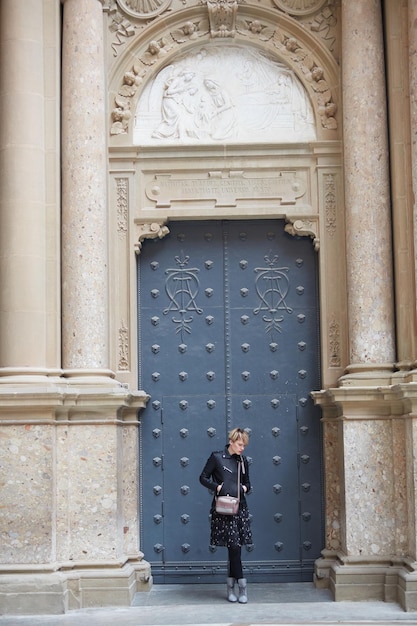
<point x="144" y="8"/>
<point x="250" y="98"/>
<point x="330" y="203"/>
<point x="304" y="227"/>
<point x="149" y="231"/>
<point x="190" y="30"/>
<point x="299" y="7"/>
<point x="128" y="16"/>
<point x="122" y="29"/>
<point x="122" y="205"/>
<point x="325" y="24"/>
<point x="254" y="30"/>
<point x="314" y="74"/>
<point x="222" y="17"/>
<point x="334" y="343"/>
<point x="123" y="364"/>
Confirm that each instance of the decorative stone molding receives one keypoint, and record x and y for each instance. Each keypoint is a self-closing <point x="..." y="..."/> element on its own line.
<point x="149" y="231"/>
<point x="335" y="359"/>
<point x="123" y="364"/>
<point x="330" y="197"/>
<point x="122" y="186"/>
<point x="304" y="227"/>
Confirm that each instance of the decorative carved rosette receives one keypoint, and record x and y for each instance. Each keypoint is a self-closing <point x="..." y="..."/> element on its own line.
<point x="144" y="9"/>
<point x="299" y="7"/>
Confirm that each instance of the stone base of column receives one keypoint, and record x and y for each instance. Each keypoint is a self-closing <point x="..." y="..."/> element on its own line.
<point x="35" y="593"/>
<point x="367" y="374"/>
<point x="368" y="578"/>
<point x="70" y="514"/>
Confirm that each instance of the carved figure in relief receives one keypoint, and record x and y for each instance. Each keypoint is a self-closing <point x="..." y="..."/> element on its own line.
<point x="178" y="107"/>
<point x="120" y="116"/>
<point x="155" y="50"/>
<point x="220" y="93"/>
<point x="299" y="54"/>
<point x="254" y="29"/>
<point x="218" y="115"/>
<point x="190" y="30"/>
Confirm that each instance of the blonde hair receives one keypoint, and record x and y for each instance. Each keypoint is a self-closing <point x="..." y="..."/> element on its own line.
<point x="239" y="433"/>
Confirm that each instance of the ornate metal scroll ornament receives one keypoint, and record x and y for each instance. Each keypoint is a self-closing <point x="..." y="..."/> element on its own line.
<point x="272" y="286"/>
<point x="182" y="288"/>
<point x="222" y="17"/>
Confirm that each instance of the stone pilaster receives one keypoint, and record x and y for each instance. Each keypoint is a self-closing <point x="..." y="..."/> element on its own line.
<point x="84" y="211"/>
<point x="23" y="231"/>
<point x="368" y="227"/>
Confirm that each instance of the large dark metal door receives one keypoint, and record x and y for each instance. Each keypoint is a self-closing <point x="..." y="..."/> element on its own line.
<point x="229" y="336"/>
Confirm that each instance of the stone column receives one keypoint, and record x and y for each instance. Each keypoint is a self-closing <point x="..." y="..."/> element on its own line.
<point x="363" y="439"/>
<point x="23" y="307"/>
<point x="367" y="194"/>
<point x="84" y="212"/>
<point x="412" y="52"/>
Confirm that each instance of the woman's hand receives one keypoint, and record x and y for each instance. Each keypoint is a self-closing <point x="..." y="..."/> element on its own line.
<point x="219" y="488"/>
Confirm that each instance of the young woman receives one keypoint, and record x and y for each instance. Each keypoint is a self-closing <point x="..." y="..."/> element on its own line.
<point x="220" y="475"/>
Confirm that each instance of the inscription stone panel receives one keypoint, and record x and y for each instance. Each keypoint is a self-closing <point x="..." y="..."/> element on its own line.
<point x="226" y="188"/>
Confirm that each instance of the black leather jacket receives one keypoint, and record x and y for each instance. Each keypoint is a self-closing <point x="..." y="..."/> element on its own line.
<point x="221" y="468"/>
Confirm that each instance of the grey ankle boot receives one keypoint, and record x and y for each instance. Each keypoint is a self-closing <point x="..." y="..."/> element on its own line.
<point x="243" y="596"/>
<point x="231" y="590"/>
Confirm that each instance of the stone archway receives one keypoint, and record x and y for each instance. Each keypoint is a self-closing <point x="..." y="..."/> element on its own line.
<point x="174" y="178"/>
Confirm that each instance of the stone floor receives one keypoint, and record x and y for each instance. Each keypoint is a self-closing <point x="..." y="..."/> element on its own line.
<point x="205" y="604"/>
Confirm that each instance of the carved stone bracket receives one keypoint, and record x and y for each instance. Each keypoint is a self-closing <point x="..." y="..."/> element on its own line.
<point x="149" y="230"/>
<point x="305" y="227"/>
<point x="222" y="17"/>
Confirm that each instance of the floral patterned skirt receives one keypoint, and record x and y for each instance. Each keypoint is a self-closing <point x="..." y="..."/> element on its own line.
<point x="231" y="530"/>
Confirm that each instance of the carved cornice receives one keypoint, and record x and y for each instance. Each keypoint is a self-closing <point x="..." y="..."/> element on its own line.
<point x="149" y="230"/>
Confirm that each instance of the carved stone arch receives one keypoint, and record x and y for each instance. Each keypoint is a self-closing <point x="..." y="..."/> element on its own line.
<point x="165" y="39"/>
<point x="301" y="183"/>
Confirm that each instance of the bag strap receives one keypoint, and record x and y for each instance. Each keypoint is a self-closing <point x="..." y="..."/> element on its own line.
<point x="238" y="479"/>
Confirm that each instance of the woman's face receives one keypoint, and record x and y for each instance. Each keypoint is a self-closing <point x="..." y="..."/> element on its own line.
<point x="236" y="447"/>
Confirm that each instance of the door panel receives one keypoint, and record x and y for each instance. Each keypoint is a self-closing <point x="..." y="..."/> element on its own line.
<point x="228" y="336"/>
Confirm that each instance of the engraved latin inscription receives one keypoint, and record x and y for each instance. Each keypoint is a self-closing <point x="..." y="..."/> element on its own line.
<point x="225" y="188"/>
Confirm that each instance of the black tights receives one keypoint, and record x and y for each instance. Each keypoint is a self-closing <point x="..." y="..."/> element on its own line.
<point x="235" y="563"/>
